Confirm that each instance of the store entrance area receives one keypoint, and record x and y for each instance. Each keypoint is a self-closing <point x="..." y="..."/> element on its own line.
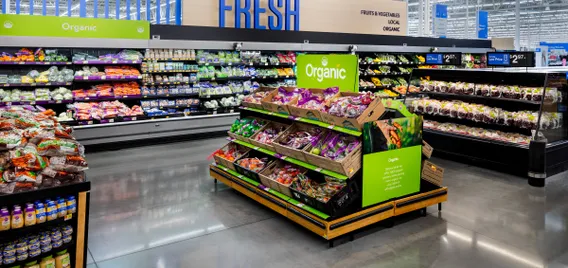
<point x="157" y="206"/>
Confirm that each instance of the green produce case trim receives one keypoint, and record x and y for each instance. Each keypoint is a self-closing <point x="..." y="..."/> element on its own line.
<point x="276" y="193"/>
<point x="305" y="120"/>
<point x="292" y="160"/>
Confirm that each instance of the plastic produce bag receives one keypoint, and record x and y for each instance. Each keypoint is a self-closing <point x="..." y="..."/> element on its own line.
<point x="10" y="140"/>
<point x="59" y="147"/>
<point x="69" y="163"/>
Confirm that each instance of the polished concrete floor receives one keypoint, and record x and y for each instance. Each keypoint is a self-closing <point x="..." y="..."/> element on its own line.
<point x="156" y="206"/>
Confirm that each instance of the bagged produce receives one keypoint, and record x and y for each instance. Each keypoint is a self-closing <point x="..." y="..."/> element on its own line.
<point x="59" y="147"/>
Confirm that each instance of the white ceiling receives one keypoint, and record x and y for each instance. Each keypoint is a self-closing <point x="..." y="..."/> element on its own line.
<point x="540" y="20"/>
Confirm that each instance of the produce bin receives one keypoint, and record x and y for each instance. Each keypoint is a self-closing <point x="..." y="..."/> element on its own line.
<point x="273" y="107"/>
<point x="347" y="166"/>
<point x="258" y="105"/>
<point x="289" y="151"/>
<point x="303" y="112"/>
<point x="372" y="113"/>
<point x="243" y="138"/>
<point x="264" y="145"/>
<point x="277" y="186"/>
<point x="230" y="164"/>
<point x="337" y="204"/>
<point x="249" y="173"/>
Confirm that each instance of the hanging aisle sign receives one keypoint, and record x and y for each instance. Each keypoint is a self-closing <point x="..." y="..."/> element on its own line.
<point x="440" y="20"/>
<point x="50" y="26"/>
<point x="481" y="21"/>
<point x="324" y="71"/>
<point x="511" y="59"/>
<point x="385" y="17"/>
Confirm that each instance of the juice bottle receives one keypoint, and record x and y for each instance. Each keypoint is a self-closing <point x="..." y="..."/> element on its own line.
<point x="47" y="262"/>
<point x="62" y="260"/>
<point x="40" y="212"/>
<point x="5" y="220"/>
<point x="51" y="211"/>
<point x="71" y="205"/>
<point x="32" y="264"/>
<point x="30" y="216"/>
<point x="61" y="207"/>
<point x="17" y="217"/>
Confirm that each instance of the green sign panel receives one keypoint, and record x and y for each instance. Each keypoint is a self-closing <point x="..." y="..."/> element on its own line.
<point x="48" y="26"/>
<point x="323" y="71"/>
<point x="391" y="174"/>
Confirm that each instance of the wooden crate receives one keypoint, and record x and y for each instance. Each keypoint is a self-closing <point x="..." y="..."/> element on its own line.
<point x="427" y="149"/>
<point x="258" y="105"/>
<point x="264" y="145"/>
<point x="372" y="113"/>
<point x="277" y="186"/>
<point x="243" y="138"/>
<point x="306" y="113"/>
<point x="432" y="173"/>
<point x="230" y="164"/>
<point x="348" y="166"/>
<point x="273" y="107"/>
<point x="289" y="151"/>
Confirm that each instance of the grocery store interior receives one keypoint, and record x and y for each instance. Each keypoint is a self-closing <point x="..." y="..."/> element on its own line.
<point x="263" y="133"/>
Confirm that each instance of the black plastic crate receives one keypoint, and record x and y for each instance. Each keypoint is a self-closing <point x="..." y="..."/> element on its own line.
<point x="337" y="204"/>
<point x="249" y="173"/>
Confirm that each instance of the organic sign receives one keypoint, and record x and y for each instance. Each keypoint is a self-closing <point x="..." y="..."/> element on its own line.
<point x="324" y="71"/>
<point x="391" y="174"/>
<point x="25" y="25"/>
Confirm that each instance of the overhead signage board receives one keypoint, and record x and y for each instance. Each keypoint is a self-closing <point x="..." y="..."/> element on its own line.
<point x="51" y="26"/>
<point x="482" y="20"/>
<point x="444" y="58"/>
<point x="384" y="17"/>
<point x="511" y="59"/>
<point x="440" y="20"/>
<point x="327" y="70"/>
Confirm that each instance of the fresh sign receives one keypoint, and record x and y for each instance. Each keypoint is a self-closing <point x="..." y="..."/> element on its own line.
<point x="323" y="71"/>
<point x="280" y="15"/>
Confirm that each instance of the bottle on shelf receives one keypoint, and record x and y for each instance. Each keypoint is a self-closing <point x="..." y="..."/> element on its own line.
<point x="47" y="262"/>
<point x="51" y="212"/>
<point x="17" y="217"/>
<point x="62" y="260"/>
<point x="40" y="212"/>
<point x="71" y="205"/>
<point x="5" y="220"/>
<point x="30" y="215"/>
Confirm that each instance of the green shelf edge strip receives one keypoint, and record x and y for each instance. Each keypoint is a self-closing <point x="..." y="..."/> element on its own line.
<point x="305" y="120"/>
<point x="292" y="160"/>
<point x="275" y="193"/>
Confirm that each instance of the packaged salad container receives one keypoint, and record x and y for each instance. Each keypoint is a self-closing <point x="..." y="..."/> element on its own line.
<point x="253" y="99"/>
<point x="351" y="110"/>
<point x="244" y="128"/>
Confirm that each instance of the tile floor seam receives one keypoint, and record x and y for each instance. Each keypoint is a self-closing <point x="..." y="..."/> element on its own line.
<point x="184" y="240"/>
<point x="90" y="253"/>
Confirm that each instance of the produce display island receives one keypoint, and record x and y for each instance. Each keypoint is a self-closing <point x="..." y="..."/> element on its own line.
<point x="346" y="177"/>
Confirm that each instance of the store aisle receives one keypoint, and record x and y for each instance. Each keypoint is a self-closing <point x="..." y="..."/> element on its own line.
<point x="156" y="206"/>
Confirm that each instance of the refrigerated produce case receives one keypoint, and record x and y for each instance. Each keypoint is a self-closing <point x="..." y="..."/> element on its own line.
<point x="510" y="120"/>
<point x="179" y="59"/>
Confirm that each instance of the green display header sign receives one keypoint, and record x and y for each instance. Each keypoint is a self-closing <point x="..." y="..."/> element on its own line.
<point x="323" y="71"/>
<point x="49" y="26"/>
